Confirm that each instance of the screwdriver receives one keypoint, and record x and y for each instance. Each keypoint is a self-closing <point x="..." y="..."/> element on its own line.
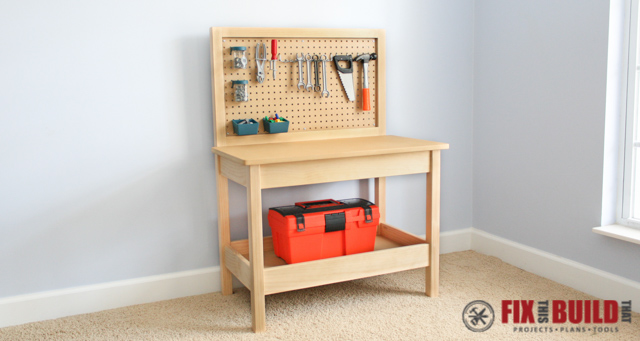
<point x="274" y="58"/>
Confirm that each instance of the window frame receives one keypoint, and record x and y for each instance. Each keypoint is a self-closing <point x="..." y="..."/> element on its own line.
<point x="630" y="80"/>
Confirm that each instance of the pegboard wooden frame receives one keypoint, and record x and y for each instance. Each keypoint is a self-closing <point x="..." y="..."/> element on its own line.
<point x="218" y="34"/>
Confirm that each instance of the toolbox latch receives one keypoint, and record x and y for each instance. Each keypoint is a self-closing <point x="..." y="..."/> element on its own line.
<point x="368" y="216"/>
<point x="334" y="222"/>
<point x="300" y="222"/>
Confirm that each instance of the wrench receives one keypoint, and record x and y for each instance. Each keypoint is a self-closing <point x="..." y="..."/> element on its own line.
<point x="324" y="75"/>
<point x="316" y="61"/>
<point x="300" y="79"/>
<point x="309" y="85"/>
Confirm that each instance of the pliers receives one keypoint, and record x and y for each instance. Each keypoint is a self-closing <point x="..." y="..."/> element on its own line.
<point x="261" y="57"/>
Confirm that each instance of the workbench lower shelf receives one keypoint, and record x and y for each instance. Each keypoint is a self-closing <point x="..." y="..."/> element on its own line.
<point x="395" y="250"/>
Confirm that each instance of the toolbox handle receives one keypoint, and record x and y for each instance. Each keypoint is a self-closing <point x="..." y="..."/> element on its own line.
<point x="312" y="204"/>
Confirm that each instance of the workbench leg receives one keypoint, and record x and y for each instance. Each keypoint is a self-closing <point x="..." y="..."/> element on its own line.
<point x="224" y="236"/>
<point x="256" y="257"/>
<point x="433" y="225"/>
<point x="381" y="199"/>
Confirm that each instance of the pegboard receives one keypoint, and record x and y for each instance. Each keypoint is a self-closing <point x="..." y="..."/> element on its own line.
<point x="307" y="111"/>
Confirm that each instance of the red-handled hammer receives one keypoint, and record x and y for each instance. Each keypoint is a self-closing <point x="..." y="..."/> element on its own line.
<point x="366" y="95"/>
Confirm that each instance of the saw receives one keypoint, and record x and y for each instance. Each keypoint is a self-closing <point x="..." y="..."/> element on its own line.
<point x="346" y="76"/>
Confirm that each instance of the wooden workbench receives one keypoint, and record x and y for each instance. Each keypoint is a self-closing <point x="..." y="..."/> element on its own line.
<point x="317" y="156"/>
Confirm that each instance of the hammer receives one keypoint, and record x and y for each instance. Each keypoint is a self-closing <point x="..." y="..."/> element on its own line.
<point x="366" y="96"/>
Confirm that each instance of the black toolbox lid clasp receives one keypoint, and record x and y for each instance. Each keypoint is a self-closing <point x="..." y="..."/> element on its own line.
<point x="300" y="222"/>
<point x="334" y="222"/>
<point x="368" y="216"/>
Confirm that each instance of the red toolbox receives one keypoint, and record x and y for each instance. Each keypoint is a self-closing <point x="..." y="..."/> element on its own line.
<point x="323" y="229"/>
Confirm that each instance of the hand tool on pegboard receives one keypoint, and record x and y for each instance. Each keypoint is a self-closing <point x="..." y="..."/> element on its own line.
<point x="346" y="75"/>
<point x="324" y="76"/>
<point x="300" y="59"/>
<point x="274" y="58"/>
<point x="309" y="85"/>
<point x="366" y="95"/>
<point x="261" y="57"/>
<point x="316" y="61"/>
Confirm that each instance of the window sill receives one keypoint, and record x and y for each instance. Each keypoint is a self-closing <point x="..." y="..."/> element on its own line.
<point x="621" y="232"/>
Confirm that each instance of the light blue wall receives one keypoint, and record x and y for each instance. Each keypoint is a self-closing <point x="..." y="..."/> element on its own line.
<point x="539" y="115"/>
<point x="105" y="129"/>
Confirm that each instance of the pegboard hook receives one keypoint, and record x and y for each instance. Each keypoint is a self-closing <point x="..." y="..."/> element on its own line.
<point x="286" y="60"/>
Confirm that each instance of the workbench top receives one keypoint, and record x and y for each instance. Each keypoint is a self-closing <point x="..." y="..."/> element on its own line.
<point x="259" y="154"/>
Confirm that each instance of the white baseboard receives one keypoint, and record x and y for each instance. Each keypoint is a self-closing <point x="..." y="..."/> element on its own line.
<point x="455" y="241"/>
<point x="576" y="275"/>
<point x="91" y="298"/>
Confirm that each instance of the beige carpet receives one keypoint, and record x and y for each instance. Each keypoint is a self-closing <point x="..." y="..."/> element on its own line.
<point x="390" y="307"/>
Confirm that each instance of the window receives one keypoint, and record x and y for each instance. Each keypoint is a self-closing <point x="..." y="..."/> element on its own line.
<point x="622" y="126"/>
<point x="629" y="210"/>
